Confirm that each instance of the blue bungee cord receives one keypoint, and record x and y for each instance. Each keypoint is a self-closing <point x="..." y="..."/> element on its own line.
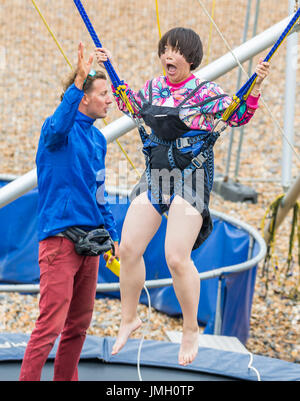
<point x="108" y="66"/>
<point x="118" y="84"/>
<point x="243" y="94"/>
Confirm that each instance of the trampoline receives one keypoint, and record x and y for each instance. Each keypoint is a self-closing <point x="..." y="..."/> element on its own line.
<point x="224" y="308"/>
<point x="227" y="276"/>
<point x="158" y="363"/>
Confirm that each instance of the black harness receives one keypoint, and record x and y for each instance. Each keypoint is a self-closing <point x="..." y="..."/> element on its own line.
<point x="167" y="130"/>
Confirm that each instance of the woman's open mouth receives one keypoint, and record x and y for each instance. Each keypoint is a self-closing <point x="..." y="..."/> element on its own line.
<point x="171" y="69"/>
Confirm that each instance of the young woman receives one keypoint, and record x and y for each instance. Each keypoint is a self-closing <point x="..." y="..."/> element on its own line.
<point x="181" y="111"/>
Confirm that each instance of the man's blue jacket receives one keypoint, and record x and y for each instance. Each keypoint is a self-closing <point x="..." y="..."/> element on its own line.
<point x="71" y="171"/>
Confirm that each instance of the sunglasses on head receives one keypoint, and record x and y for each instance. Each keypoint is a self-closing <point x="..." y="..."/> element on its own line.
<point x="92" y="73"/>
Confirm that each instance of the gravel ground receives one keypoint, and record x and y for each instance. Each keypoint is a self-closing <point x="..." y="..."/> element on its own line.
<point x="31" y="71"/>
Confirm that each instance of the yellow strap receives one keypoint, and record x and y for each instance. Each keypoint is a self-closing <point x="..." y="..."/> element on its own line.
<point x="125" y="99"/>
<point x="231" y="108"/>
<point x="158" y="24"/>
<point x="128" y="159"/>
<point x="157" y="19"/>
<point x="279" y="197"/>
<point x="52" y="34"/>
<point x="210" y="32"/>
<point x="273" y="258"/>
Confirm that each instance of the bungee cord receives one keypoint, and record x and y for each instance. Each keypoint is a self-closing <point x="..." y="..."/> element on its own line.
<point x="158" y="24"/>
<point x="118" y="85"/>
<point x="157" y="18"/>
<point x="52" y="34"/>
<point x="243" y="94"/>
<point x="72" y="68"/>
<point x="210" y="33"/>
<point x="145" y="330"/>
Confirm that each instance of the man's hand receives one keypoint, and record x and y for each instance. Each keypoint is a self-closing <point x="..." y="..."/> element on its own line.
<point x="117" y="254"/>
<point x="83" y="67"/>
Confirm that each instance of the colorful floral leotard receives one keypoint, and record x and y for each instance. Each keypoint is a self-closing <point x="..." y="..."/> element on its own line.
<point x="165" y="93"/>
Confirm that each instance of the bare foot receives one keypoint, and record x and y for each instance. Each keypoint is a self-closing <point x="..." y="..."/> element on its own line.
<point x="189" y="347"/>
<point x="124" y="333"/>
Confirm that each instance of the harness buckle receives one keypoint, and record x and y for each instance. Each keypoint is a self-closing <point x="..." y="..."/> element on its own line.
<point x="182" y="143"/>
<point x="198" y="161"/>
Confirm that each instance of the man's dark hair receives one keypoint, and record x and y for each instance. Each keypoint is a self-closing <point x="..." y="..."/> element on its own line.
<point x="186" y="41"/>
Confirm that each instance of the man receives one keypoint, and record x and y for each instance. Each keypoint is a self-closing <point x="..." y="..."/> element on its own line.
<point x="71" y="173"/>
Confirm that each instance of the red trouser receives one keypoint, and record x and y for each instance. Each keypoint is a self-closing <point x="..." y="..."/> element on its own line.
<point x="67" y="293"/>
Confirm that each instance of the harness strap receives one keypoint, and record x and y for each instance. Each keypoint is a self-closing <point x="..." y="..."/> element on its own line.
<point x="182" y="103"/>
<point x="171" y="157"/>
<point x="143" y="134"/>
<point x="207" y="100"/>
<point x="192" y="93"/>
<point x="179" y="143"/>
<point x="150" y="91"/>
<point x="142" y="96"/>
<point x="196" y="163"/>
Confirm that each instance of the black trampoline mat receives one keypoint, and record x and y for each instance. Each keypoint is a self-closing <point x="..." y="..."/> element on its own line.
<point x="96" y="370"/>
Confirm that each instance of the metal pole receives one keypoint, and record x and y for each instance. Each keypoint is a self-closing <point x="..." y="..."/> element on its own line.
<point x="287" y="203"/>
<point x="246" y="27"/>
<point x="18" y="187"/>
<point x="289" y="107"/>
<point x="28" y="181"/>
<point x="242" y="129"/>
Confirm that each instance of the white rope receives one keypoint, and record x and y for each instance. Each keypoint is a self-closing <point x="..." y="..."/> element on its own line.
<point x="146" y="329"/>
<point x="254" y="369"/>
<point x="144" y="334"/>
<point x="275" y="121"/>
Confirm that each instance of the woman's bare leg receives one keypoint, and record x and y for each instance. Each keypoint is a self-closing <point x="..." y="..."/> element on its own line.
<point x="140" y="224"/>
<point x="184" y="224"/>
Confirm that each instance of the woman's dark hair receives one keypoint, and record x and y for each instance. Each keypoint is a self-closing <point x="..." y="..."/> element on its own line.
<point x="87" y="86"/>
<point x="186" y="41"/>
